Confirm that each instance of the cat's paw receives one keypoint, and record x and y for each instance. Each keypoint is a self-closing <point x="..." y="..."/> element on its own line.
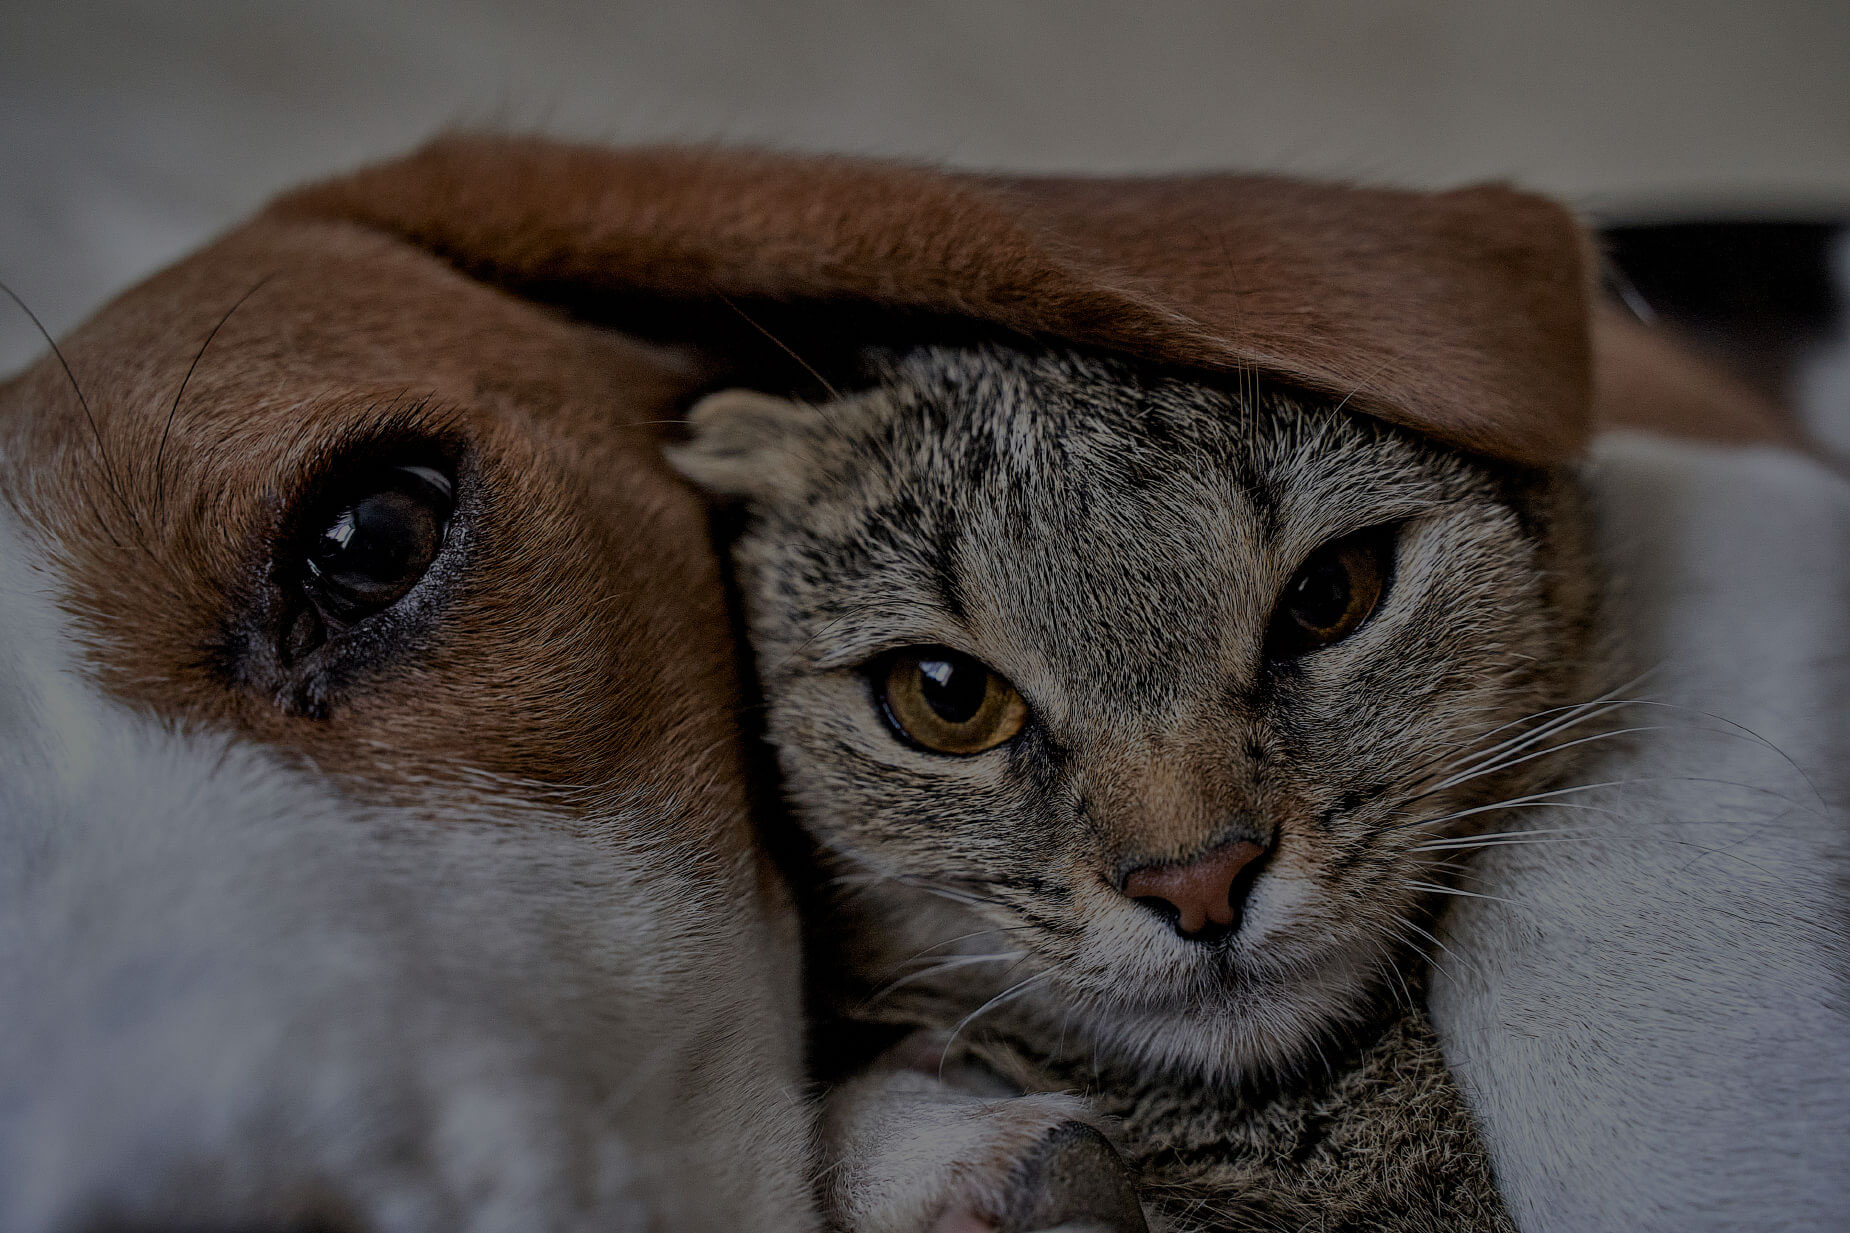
<point x="915" y="1154"/>
<point x="1072" y="1180"/>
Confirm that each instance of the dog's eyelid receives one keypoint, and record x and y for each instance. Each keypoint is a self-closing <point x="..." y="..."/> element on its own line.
<point x="430" y="475"/>
<point x="392" y="431"/>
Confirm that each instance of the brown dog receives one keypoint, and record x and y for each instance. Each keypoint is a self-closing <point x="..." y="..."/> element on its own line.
<point x="382" y="860"/>
<point x="436" y="913"/>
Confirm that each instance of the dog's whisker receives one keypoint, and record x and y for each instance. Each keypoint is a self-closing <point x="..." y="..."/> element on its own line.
<point x="96" y="433"/>
<point x="160" y="452"/>
<point x="783" y="346"/>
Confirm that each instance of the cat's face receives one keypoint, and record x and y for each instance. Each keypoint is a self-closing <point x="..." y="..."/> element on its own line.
<point x="1163" y="686"/>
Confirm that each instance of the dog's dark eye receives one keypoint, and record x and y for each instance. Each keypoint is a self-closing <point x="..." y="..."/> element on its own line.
<point x="948" y="702"/>
<point x="373" y="543"/>
<point x="1332" y="593"/>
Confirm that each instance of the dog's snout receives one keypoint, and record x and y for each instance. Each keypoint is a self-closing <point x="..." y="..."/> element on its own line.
<point x="1202" y="897"/>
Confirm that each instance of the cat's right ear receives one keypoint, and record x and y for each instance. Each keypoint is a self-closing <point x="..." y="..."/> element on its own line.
<point x="747" y="444"/>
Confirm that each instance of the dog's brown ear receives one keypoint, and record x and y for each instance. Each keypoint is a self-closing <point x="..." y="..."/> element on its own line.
<point x="1463" y="315"/>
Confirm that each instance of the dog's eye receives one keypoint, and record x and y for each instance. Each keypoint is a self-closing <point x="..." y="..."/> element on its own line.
<point x="948" y="702"/>
<point x="375" y="540"/>
<point x="1332" y="593"/>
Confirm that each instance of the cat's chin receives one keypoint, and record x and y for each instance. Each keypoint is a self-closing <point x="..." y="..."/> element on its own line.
<point x="1242" y="1026"/>
<point x="1221" y="1016"/>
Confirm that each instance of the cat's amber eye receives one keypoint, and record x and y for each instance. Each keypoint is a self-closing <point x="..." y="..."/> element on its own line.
<point x="947" y="702"/>
<point x="1332" y="593"/>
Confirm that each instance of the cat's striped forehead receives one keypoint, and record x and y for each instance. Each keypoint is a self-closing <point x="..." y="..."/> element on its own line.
<point x="1067" y="436"/>
<point x="1070" y="514"/>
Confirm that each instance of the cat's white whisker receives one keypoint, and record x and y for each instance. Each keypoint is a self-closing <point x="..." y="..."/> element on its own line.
<point x="1466" y="843"/>
<point x="1517" y="802"/>
<point x="1001" y="999"/>
<point x="1384" y="962"/>
<point x="1746" y="733"/>
<point x="962" y="937"/>
<point x="1480" y="772"/>
<point x="1430" y="960"/>
<point x="1423" y="932"/>
<point x="945" y="892"/>
<point x="1564" y="717"/>
<point x="941" y="967"/>
<point x="1572" y="718"/>
<point x="1436" y="888"/>
<point x="960" y="960"/>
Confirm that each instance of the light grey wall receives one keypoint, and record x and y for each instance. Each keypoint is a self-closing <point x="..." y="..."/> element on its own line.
<point x="130" y="132"/>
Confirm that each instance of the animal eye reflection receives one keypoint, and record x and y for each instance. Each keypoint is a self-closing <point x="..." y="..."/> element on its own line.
<point x="368" y="546"/>
<point x="1332" y="594"/>
<point x="947" y="702"/>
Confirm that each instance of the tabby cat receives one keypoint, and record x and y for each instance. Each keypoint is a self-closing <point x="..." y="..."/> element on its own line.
<point x="1132" y="717"/>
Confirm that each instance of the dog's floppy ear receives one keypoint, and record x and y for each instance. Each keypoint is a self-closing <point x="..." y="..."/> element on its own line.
<point x="1463" y="315"/>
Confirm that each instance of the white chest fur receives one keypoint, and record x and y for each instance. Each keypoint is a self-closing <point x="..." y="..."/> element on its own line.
<point x="231" y="996"/>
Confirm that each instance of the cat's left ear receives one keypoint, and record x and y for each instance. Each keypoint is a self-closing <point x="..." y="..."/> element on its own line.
<point x="746" y="444"/>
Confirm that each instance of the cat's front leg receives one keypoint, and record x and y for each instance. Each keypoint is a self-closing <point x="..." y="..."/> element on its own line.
<point x="913" y="1148"/>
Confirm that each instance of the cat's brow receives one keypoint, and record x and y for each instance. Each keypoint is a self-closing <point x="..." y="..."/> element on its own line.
<point x="851" y="640"/>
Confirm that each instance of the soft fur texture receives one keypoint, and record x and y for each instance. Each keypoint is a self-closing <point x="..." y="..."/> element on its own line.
<point x="1650" y="1017"/>
<point x="1114" y="542"/>
<point x="1642" y="989"/>
<point x="239" y="998"/>
<point x="1462" y="314"/>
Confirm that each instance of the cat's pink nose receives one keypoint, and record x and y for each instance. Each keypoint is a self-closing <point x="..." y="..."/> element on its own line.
<point x="1203" y="896"/>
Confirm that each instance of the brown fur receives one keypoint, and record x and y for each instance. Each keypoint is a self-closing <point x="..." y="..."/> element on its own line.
<point x="540" y="674"/>
<point x="1462" y="315"/>
<point x="1644" y="380"/>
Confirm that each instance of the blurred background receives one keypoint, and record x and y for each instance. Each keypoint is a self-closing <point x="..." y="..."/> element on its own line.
<point x="132" y="131"/>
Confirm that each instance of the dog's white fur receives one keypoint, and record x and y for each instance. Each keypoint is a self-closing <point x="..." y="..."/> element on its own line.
<point x="1651" y="1016"/>
<point x="231" y="997"/>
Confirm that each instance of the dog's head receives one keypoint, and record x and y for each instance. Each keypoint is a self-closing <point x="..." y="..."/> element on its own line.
<point x="383" y="857"/>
